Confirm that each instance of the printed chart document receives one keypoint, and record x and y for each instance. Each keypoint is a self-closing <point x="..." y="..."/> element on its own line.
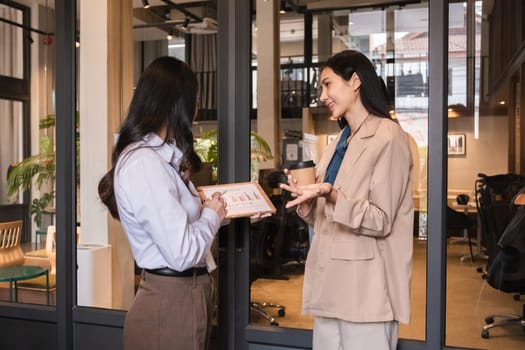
<point x="242" y="199"/>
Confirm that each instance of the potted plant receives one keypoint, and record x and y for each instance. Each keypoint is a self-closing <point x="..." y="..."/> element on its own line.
<point x="206" y="147"/>
<point x="38" y="171"/>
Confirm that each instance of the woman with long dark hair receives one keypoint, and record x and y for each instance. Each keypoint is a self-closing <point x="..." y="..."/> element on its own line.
<point x="170" y="231"/>
<point x="358" y="270"/>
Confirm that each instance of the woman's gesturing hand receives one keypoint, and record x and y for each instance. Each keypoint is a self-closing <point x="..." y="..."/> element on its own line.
<point x="305" y="193"/>
<point x="216" y="203"/>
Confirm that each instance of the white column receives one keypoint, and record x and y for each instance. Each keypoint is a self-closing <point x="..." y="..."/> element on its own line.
<point x="93" y="107"/>
<point x="268" y="80"/>
<point x="105" y="87"/>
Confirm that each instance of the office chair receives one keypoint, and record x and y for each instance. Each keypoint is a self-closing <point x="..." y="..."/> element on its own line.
<point x="507" y="271"/>
<point x="503" y="225"/>
<point x="459" y="223"/>
<point x="494" y="196"/>
<point x="10" y="251"/>
<point x="265" y="242"/>
<point x="43" y="284"/>
<point x="40" y="284"/>
<point x="275" y="241"/>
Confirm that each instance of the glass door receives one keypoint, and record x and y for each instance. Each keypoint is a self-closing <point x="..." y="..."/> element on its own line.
<point x="485" y="174"/>
<point x="395" y="39"/>
<point x="14" y="111"/>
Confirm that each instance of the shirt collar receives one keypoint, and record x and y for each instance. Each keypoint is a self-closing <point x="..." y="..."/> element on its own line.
<point x="355" y="124"/>
<point x="167" y="151"/>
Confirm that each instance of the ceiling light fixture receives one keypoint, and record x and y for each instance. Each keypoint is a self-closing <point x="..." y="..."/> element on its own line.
<point x="282" y="7"/>
<point x="170" y="35"/>
<point x="186" y="22"/>
<point x="145" y="4"/>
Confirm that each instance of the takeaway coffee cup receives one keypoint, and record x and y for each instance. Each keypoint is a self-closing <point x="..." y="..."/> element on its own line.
<point x="303" y="172"/>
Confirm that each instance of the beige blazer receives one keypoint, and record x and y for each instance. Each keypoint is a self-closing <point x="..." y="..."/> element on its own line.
<point x="359" y="265"/>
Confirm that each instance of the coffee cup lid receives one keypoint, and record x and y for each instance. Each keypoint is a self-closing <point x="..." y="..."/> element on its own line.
<point x="301" y="165"/>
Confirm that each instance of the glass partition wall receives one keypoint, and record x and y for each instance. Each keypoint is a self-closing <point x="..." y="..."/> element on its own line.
<point x="484" y="167"/>
<point x="395" y="39"/>
<point x="483" y="137"/>
<point x="141" y="34"/>
<point x="28" y="145"/>
<point x="27" y="158"/>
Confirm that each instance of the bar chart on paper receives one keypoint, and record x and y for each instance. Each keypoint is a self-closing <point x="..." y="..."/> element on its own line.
<point x="242" y="199"/>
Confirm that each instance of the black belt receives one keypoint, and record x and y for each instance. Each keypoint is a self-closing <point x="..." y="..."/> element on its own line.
<point x="166" y="271"/>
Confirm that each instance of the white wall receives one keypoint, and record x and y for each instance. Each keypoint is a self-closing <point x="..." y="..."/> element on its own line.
<point x="93" y="108"/>
<point x="488" y="154"/>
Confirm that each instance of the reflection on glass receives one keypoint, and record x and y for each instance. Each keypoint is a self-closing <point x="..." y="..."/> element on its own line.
<point x="11" y="146"/>
<point x="27" y="181"/>
<point x="11" y="40"/>
<point x="401" y="58"/>
<point x="189" y="34"/>
<point x="396" y="40"/>
<point x="35" y="274"/>
<point x="480" y="207"/>
<point x="291" y="37"/>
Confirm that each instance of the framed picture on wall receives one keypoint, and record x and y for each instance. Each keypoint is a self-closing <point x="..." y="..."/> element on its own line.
<point x="330" y="138"/>
<point x="456" y="144"/>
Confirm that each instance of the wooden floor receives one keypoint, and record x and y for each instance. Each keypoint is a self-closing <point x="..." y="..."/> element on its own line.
<point x="469" y="300"/>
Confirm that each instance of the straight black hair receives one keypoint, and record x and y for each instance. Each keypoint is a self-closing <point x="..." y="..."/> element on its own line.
<point x="165" y="96"/>
<point x="372" y="90"/>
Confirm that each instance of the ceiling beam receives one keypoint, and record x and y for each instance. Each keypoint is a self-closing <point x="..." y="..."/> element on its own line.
<point x="323" y="5"/>
<point x="182" y="9"/>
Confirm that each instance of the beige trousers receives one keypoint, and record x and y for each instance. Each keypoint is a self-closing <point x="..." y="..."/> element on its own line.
<point x="170" y="313"/>
<point x="335" y="334"/>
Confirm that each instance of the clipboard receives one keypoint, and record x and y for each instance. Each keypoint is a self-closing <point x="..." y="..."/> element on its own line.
<point x="243" y="199"/>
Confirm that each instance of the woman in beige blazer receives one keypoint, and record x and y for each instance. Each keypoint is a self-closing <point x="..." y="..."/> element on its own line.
<point x="358" y="270"/>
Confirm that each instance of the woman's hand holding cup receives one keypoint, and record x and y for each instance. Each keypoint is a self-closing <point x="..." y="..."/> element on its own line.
<point x="304" y="187"/>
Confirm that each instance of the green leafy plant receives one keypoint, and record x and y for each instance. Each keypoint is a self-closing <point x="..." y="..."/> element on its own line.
<point x="206" y="147"/>
<point x="260" y="150"/>
<point x="39" y="170"/>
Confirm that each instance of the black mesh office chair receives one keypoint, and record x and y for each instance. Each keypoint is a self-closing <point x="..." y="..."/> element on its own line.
<point x="494" y="196"/>
<point x="265" y="240"/>
<point x="507" y="270"/>
<point x="274" y="241"/>
<point x="503" y="232"/>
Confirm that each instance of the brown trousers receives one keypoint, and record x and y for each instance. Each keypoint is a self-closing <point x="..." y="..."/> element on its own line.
<point x="170" y="313"/>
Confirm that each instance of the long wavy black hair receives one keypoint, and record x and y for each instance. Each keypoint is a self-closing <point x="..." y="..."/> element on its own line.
<point x="165" y="96"/>
<point x="372" y="90"/>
